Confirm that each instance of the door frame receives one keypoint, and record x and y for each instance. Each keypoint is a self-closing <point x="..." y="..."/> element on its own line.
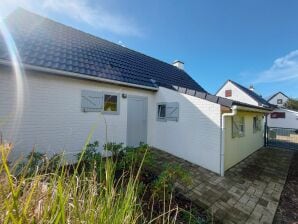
<point x="145" y="98"/>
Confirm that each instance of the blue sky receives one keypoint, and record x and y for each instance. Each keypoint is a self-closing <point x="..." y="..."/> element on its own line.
<point x="250" y="42"/>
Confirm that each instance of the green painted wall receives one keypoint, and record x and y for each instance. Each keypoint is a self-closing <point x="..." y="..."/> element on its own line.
<point x="236" y="149"/>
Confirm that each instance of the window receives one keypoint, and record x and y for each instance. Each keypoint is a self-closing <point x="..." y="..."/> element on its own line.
<point x="257" y="124"/>
<point x="111" y="104"/>
<point x="168" y="111"/>
<point x="279" y="101"/>
<point x="162" y="111"/>
<point x="238" y="126"/>
<point x="95" y="101"/>
<point x="228" y="93"/>
<point x="276" y="115"/>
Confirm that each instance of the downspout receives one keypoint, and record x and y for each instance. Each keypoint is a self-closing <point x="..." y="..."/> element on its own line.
<point x="222" y="145"/>
<point x="266" y="130"/>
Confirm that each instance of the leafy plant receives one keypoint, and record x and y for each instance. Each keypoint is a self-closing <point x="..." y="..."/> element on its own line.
<point x="165" y="183"/>
<point x="116" y="149"/>
<point x="189" y="217"/>
<point x="33" y="163"/>
<point x="134" y="157"/>
<point x="90" y="157"/>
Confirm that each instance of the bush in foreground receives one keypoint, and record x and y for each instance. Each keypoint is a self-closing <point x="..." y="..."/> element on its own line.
<point x="95" y="190"/>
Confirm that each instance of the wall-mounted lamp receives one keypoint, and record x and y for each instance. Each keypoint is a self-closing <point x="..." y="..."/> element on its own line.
<point x="124" y="95"/>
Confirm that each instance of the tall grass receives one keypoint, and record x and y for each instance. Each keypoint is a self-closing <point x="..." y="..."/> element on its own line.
<point x="62" y="195"/>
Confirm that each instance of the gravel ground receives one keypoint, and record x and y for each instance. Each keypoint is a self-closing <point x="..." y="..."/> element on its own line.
<point x="287" y="211"/>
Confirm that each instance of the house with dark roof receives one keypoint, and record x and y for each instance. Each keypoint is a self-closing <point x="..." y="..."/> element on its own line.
<point x="281" y="117"/>
<point x="278" y="99"/>
<point x="60" y="85"/>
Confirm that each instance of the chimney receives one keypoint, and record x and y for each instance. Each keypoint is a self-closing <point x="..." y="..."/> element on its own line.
<point x="178" y="64"/>
<point x="251" y="88"/>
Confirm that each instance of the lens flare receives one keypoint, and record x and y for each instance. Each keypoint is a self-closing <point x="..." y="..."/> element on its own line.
<point x="15" y="117"/>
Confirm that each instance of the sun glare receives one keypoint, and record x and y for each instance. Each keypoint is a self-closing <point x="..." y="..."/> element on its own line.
<point x="19" y="77"/>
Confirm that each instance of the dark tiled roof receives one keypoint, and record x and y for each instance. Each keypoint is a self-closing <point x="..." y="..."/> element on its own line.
<point x="45" y="43"/>
<point x="269" y="98"/>
<point x="252" y="94"/>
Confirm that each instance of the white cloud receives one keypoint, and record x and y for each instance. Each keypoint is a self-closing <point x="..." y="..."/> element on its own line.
<point x="283" y="69"/>
<point x="80" y="11"/>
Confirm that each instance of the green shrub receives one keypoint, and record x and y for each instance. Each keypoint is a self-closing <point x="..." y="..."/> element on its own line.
<point x="116" y="149"/>
<point x="165" y="183"/>
<point x="133" y="158"/>
<point x="90" y="159"/>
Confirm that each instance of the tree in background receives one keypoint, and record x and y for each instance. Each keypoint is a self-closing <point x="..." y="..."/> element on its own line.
<point x="292" y="104"/>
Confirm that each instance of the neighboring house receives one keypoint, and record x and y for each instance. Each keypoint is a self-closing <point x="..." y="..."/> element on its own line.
<point x="234" y="91"/>
<point x="253" y="121"/>
<point x="282" y="117"/>
<point x="279" y="99"/>
<point x="76" y="84"/>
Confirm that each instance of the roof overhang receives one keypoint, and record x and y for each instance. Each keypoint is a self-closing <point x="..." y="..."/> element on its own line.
<point x="78" y="76"/>
<point x="253" y="109"/>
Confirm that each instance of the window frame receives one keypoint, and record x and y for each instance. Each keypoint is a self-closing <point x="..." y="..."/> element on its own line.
<point x="257" y="124"/>
<point x="228" y="93"/>
<point x="241" y="126"/>
<point x="279" y="101"/>
<point x="278" y="115"/>
<point x="165" y="117"/>
<point x="118" y="103"/>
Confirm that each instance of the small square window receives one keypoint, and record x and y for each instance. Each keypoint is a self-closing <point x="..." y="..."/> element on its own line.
<point x="279" y="101"/>
<point x="110" y="103"/>
<point x="228" y="93"/>
<point x="161" y="111"/>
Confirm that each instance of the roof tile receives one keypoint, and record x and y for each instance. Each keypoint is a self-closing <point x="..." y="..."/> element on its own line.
<point x="56" y="46"/>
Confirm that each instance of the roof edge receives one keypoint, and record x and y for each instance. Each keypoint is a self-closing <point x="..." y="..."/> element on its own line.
<point x="277" y="94"/>
<point x="78" y="75"/>
<point x="222" y="86"/>
<point x="217" y="99"/>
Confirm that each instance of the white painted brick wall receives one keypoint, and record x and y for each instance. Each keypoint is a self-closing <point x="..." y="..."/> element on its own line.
<point x="237" y="94"/>
<point x="52" y="119"/>
<point x="196" y="136"/>
<point x="290" y="121"/>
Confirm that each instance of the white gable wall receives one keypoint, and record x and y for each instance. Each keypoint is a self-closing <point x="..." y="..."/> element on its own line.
<point x="196" y="135"/>
<point x="279" y="96"/>
<point x="237" y="94"/>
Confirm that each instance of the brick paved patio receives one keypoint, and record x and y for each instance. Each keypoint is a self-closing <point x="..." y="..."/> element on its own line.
<point x="249" y="192"/>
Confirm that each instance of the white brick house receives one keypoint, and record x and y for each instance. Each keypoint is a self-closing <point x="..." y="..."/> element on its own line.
<point x="74" y="83"/>
<point x="282" y="117"/>
<point x="279" y="99"/>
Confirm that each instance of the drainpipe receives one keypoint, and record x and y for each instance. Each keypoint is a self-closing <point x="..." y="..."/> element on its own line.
<point x="222" y="148"/>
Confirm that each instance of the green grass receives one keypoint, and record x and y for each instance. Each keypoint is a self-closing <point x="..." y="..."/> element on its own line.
<point x="60" y="196"/>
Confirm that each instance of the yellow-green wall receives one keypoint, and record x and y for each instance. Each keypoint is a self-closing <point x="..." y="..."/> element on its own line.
<point x="236" y="149"/>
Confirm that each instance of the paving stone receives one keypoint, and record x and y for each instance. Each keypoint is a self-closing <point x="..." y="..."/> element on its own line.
<point x="263" y="202"/>
<point x="251" y="204"/>
<point x="249" y="192"/>
<point x="244" y="199"/>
